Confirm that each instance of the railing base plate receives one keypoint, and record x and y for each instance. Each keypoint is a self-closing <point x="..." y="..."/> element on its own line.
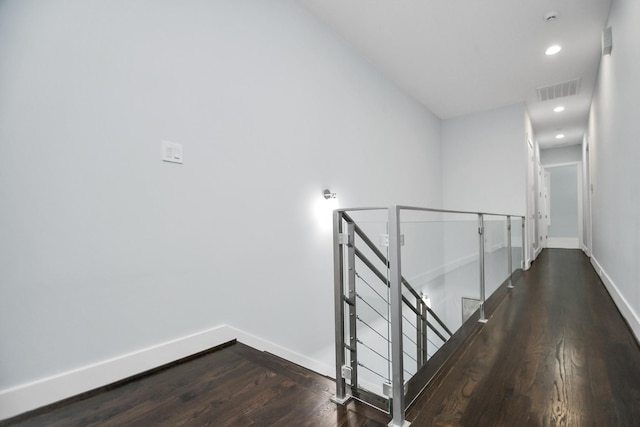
<point x="404" y="424"/>
<point x="483" y="320"/>
<point x="343" y="401"/>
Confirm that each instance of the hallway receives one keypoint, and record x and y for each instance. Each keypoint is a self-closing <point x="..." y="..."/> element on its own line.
<point x="555" y="352"/>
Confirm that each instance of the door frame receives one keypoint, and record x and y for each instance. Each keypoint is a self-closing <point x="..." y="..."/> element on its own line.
<point x="579" y="190"/>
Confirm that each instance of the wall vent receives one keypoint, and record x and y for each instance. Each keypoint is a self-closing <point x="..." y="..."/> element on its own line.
<point x="560" y="90"/>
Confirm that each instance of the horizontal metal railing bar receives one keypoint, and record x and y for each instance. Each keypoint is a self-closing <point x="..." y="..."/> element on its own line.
<point x="376" y="251"/>
<point x="369" y="264"/>
<point x="374" y="208"/>
<point x="435" y="331"/>
<point x="440" y="322"/>
<point x="383" y="279"/>
<point x="417" y="208"/>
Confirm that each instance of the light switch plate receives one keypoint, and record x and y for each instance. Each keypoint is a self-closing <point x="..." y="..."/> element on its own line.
<point x="171" y="152"/>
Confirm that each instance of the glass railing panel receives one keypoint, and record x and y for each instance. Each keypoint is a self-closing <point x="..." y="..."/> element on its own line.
<point x="439" y="259"/>
<point x="459" y="288"/>
<point x="516" y="243"/>
<point x="440" y="266"/>
<point x="496" y="252"/>
<point x="421" y="259"/>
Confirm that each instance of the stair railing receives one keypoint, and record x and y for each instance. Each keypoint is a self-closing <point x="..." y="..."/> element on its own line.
<point x="349" y="300"/>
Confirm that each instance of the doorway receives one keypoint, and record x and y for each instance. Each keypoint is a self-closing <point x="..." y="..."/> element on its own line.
<point x="563" y="227"/>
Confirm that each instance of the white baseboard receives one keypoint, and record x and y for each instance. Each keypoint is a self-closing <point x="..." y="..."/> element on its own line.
<point x="537" y="252"/>
<point x="621" y="302"/>
<point x="32" y="395"/>
<point x="285" y="353"/>
<point x="563" y="242"/>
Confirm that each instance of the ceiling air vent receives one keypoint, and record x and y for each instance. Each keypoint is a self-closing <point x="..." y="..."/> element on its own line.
<point x="559" y="90"/>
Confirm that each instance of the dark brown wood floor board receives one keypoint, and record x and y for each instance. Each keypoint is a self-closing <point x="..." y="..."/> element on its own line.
<point x="279" y="411"/>
<point x="564" y="337"/>
<point x="221" y="402"/>
<point x="311" y="381"/>
<point x="179" y="382"/>
<point x="172" y="394"/>
<point x="138" y="396"/>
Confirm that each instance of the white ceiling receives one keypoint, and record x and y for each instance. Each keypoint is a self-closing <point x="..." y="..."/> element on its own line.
<point x="461" y="57"/>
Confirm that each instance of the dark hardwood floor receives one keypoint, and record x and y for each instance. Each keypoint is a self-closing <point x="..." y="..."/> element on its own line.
<point x="555" y="352"/>
<point x="235" y="385"/>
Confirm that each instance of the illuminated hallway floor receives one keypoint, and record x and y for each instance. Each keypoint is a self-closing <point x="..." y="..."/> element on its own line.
<point x="555" y="352"/>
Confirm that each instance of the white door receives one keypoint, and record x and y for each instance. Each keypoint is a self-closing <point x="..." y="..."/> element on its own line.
<point x="565" y="206"/>
<point x="546" y="218"/>
<point x="531" y="206"/>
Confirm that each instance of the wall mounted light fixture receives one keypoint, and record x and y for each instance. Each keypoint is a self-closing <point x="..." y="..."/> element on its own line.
<point x="329" y="195"/>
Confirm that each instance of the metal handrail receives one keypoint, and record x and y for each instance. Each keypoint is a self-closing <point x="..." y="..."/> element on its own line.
<point x="345" y="244"/>
<point x="376" y="251"/>
<point x="383" y="279"/>
<point x="417" y="208"/>
<point x="442" y="325"/>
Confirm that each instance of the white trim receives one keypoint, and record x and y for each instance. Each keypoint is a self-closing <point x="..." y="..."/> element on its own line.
<point x="29" y="396"/>
<point x="563" y="242"/>
<point x="585" y="249"/>
<point x="283" y="352"/>
<point x="537" y="252"/>
<point x="621" y="302"/>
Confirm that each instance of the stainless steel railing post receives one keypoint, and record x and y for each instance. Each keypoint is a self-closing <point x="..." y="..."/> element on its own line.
<point x="523" y="263"/>
<point x="510" y="261"/>
<point x="351" y="298"/>
<point x="397" y="356"/>
<point x="421" y="332"/>
<point x="341" y="396"/>
<point x="482" y="318"/>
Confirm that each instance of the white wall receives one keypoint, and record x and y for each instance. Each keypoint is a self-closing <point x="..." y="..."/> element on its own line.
<point x="484" y="161"/>
<point x="572" y="153"/>
<point x="614" y="152"/>
<point x="106" y="250"/>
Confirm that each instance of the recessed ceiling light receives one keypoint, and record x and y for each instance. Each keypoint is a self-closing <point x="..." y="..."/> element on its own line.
<point x="558" y="109"/>
<point x="552" y="50"/>
<point x="560" y="136"/>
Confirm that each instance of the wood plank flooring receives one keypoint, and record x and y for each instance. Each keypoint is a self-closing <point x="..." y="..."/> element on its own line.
<point x="233" y="386"/>
<point x="555" y="352"/>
